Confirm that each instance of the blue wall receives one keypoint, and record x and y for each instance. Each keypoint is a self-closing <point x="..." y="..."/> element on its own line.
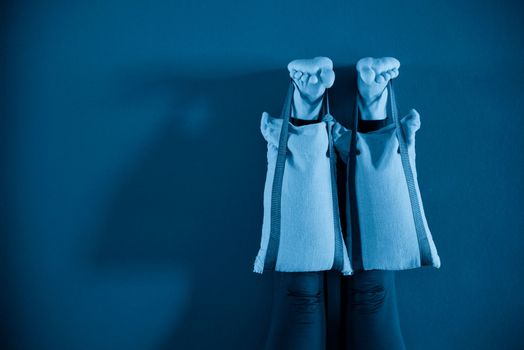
<point x="133" y="165"/>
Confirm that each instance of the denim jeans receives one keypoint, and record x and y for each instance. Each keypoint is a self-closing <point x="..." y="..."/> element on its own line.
<point x="369" y="312"/>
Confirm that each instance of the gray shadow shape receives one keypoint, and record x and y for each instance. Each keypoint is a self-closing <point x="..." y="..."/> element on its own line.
<point x="194" y="202"/>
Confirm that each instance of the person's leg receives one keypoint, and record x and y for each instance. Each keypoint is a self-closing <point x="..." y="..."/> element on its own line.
<point x="298" y="316"/>
<point x="370" y="313"/>
<point x="369" y="305"/>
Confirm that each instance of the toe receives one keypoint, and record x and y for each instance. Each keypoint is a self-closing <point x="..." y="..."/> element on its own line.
<point x="304" y="78"/>
<point x="292" y="66"/>
<point x="364" y="63"/>
<point x="366" y="74"/>
<point x="313" y="79"/>
<point x="328" y="77"/>
<point x="297" y="75"/>
<point x="390" y="62"/>
<point x="394" y="73"/>
<point x="380" y="79"/>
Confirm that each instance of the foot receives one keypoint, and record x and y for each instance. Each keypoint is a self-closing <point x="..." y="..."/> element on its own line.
<point x="373" y="76"/>
<point x="313" y="77"/>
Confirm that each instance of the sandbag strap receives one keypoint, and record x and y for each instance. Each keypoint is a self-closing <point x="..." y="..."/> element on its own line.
<point x="338" y="260"/>
<point x="424" y="248"/>
<point x="353" y="241"/>
<point x="276" y="191"/>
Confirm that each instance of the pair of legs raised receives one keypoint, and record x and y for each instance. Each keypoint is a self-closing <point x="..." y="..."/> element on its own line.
<point x="369" y="308"/>
<point x="369" y="312"/>
<point x="313" y="76"/>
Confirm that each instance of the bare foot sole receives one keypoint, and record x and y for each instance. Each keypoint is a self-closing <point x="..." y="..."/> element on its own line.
<point x="373" y="77"/>
<point x="313" y="77"/>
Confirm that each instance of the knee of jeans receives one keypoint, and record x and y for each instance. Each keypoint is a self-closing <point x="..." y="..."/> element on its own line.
<point x="369" y="300"/>
<point x="306" y="291"/>
<point x="305" y="304"/>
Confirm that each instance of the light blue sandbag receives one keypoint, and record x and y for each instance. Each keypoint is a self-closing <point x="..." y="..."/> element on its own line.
<point x="389" y="234"/>
<point x="309" y="225"/>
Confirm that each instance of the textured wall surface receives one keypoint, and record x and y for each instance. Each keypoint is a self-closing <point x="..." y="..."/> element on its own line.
<point x="133" y="165"/>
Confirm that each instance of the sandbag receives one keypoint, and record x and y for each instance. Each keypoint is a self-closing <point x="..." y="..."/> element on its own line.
<point x="301" y="224"/>
<point x="386" y="225"/>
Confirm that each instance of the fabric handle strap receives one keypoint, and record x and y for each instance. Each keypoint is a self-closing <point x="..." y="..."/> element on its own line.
<point x="423" y="243"/>
<point x="276" y="191"/>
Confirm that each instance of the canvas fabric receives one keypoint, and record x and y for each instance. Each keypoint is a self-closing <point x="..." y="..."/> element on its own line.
<point x="301" y="225"/>
<point x="387" y="228"/>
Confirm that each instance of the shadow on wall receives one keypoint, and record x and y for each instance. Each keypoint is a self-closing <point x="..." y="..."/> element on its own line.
<point x="193" y="203"/>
